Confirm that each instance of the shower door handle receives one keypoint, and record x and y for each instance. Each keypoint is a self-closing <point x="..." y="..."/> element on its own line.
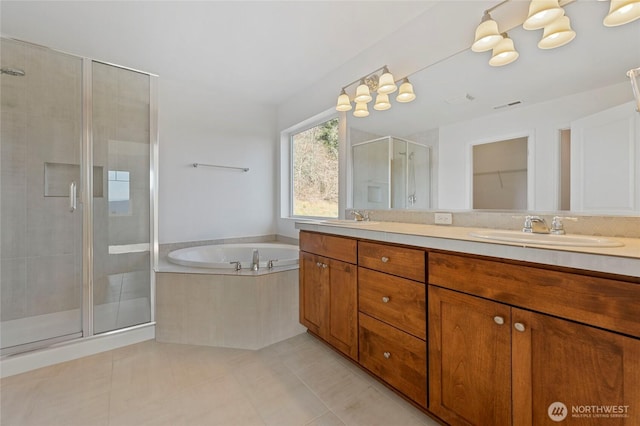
<point x="72" y="197"/>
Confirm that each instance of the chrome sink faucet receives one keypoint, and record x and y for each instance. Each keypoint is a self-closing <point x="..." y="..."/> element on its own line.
<point x="255" y="262"/>
<point x="360" y="215"/>
<point x="557" y="227"/>
<point x="535" y="225"/>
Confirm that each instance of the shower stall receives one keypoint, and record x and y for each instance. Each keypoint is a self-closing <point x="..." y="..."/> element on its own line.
<point x="78" y="153"/>
<point x="391" y="172"/>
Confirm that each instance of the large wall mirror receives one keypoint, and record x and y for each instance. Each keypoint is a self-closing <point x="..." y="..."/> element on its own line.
<point x="573" y="105"/>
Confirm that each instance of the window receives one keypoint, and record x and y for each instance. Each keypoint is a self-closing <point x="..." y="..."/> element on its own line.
<point x="315" y="171"/>
<point x="119" y="196"/>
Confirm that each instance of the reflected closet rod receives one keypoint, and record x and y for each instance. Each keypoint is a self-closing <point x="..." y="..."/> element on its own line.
<point x="244" y="169"/>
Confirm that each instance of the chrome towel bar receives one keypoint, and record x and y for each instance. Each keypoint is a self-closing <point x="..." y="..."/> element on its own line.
<point x="244" y="169"/>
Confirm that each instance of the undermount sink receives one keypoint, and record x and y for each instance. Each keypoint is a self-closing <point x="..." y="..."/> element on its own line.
<point x="546" y="239"/>
<point x="349" y="222"/>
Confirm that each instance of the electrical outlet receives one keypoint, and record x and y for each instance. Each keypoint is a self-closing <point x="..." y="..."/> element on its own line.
<point x="444" y="218"/>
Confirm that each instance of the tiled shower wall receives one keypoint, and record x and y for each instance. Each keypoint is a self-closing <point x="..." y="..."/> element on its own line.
<point x="41" y="238"/>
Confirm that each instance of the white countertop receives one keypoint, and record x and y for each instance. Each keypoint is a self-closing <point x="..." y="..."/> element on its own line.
<point x="624" y="260"/>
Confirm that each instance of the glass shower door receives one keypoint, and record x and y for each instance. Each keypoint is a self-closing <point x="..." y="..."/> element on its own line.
<point x="121" y="219"/>
<point x="41" y="230"/>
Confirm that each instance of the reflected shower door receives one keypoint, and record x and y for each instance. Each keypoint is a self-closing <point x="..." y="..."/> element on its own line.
<point x="41" y="141"/>
<point x="121" y="220"/>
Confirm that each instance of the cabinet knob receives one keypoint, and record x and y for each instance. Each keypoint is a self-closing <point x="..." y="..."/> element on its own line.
<point x="318" y="264"/>
<point x="519" y="326"/>
<point x="385" y="299"/>
<point x="387" y="355"/>
<point x="324" y="265"/>
<point x="498" y="319"/>
<point x="384" y="259"/>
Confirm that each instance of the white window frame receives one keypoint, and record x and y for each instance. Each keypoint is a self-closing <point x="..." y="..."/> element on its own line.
<point x="286" y="163"/>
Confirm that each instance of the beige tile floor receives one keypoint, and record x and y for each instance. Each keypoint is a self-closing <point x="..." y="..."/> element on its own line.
<point x="295" y="382"/>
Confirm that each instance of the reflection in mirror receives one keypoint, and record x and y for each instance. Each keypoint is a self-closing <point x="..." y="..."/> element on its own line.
<point x="500" y="175"/>
<point x="462" y="101"/>
<point x="390" y="172"/>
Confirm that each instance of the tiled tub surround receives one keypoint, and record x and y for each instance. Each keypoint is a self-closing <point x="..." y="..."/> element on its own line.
<point x="221" y="307"/>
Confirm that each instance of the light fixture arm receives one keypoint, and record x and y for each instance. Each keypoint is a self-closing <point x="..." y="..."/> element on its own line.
<point x="364" y="77"/>
<point x="491" y="9"/>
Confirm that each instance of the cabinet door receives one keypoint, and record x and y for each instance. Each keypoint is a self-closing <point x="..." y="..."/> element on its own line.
<point x="314" y="303"/>
<point x="469" y="359"/>
<point x="558" y="361"/>
<point x="342" y="330"/>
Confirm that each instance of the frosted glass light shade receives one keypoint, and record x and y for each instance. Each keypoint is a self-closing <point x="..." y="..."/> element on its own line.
<point x="622" y="12"/>
<point x="362" y="94"/>
<point x="386" y="84"/>
<point x="542" y="13"/>
<point x="556" y="34"/>
<point x="382" y="102"/>
<point x="361" y="110"/>
<point x="504" y="53"/>
<point x="405" y="94"/>
<point x="344" y="104"/>
<point x="487" y="35"/>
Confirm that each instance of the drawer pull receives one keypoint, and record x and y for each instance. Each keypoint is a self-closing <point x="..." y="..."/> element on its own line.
<point x="519" y="326"/>
<point x="387" y="355"/>
<point x="498" y="319"/>
<point x="385" y="299"/>
<point x="318" y="264"/>
<point x="384" y="259"/>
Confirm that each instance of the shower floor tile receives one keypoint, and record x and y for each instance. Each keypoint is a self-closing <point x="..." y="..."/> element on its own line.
<point x="295" y="382"/>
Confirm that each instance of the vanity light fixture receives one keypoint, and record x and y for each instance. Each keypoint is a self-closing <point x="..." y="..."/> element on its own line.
<point x="362" y="93"/>
<point x="382" y="102"/>
<point x="344" y="104"/>
<point x="386" y="85"/>
<point x="361" y="110"/>
<point x="622" y="12"/>
<point x="487" y="34"/>
<point x="504" y="53"/>
<point x="556" y="34"/>
<point x="406" y="93"/>
<point x="542" y="13"/>
<point x="380" y="81"/>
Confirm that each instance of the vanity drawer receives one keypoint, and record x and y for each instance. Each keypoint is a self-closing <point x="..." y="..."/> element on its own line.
<point x="401" y="261"/>
<point x="398" y="358"/>
<point x="339" y="248"/>
<point x="602" y="302"/>
<point x="394" y="300"/>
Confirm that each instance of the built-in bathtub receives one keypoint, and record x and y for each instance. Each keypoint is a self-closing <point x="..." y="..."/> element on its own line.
<point x="225" y="256"/>
<point x="202" y="300"/>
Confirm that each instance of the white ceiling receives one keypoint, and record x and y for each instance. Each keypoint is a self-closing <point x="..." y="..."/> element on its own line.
<point x="269" y="51"/>
<point x="265" y="51"/>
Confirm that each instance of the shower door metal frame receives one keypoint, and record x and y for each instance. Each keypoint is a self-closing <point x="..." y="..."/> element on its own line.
<point x="88" y="311"/>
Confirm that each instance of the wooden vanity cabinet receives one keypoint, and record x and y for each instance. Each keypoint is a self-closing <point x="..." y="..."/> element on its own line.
<point x="328" y="290"/>
<point x="491" y="362"/>
<point x="392" y="319"/>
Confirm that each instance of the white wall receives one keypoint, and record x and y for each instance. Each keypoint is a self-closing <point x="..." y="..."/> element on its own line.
<point x="541" y="122"/>
<point x="199" y="125"/>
